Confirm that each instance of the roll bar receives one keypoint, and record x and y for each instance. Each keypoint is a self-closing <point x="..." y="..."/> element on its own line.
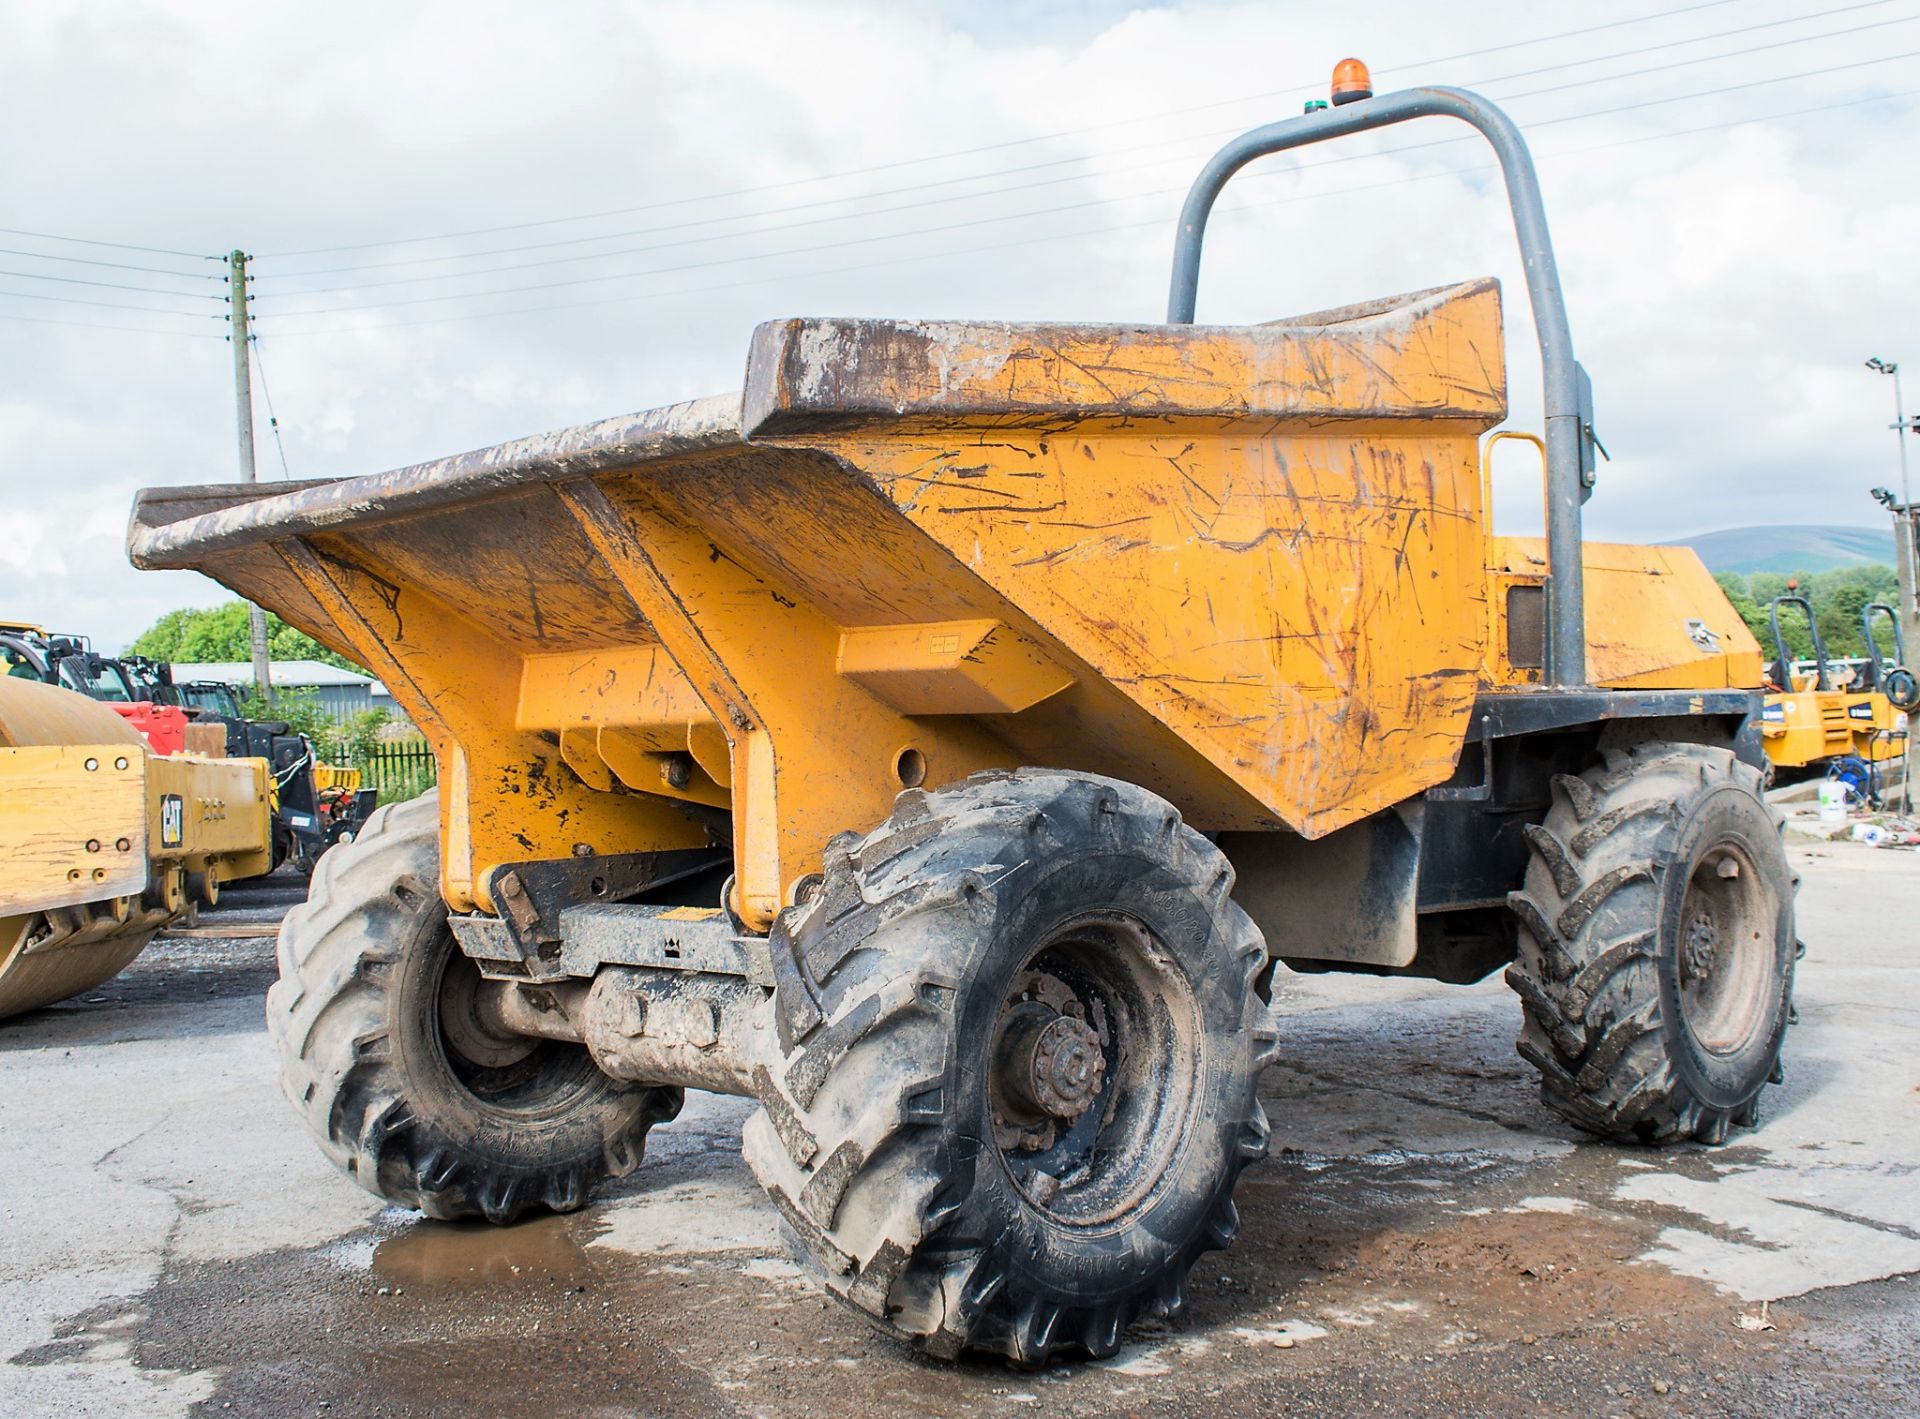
<point x="1569" y="396"/>
<point x="1785" y="661"/>
<point x="1874" y="658"/>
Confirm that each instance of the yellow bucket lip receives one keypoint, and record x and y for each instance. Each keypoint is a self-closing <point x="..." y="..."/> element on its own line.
<point x="820" y="373"/>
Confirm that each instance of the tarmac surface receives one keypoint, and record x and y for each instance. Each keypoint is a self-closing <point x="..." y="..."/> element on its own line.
<point x="1425" y="1239"/>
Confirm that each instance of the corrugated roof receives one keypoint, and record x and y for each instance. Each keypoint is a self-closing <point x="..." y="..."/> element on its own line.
<point x="292" y="674"/>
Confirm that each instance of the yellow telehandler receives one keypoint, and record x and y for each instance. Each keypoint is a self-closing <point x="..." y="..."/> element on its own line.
<point x="944" y="739"/>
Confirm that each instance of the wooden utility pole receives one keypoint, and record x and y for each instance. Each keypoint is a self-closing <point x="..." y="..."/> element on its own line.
<point x="243" y="407"/>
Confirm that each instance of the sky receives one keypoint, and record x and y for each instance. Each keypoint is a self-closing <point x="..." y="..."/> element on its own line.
<point x="474" y="221"/>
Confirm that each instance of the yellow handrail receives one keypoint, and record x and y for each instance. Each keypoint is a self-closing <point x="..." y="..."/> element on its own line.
<point x="1486" y="468"/>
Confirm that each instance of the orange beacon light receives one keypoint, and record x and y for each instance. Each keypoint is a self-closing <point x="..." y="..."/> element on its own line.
<point x="1351" y="82"/>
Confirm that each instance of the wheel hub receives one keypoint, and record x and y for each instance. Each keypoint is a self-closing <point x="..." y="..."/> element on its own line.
<point x="1048" y="1066"/>
<point x="1698" y="952"/>
<point x="1061" y="1073"/>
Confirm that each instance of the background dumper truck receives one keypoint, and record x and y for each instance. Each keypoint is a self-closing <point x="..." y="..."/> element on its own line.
<point x="942" y="741"/>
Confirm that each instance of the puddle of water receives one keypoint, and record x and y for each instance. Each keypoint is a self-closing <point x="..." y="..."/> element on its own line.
<point x="469" y="1255"/>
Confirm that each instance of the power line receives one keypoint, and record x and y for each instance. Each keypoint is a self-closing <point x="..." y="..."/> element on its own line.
<point x="1734" y="88"/>
<point x="1209" y="136"/>
<point x="115" y="265"/>
<point x="107" y="305"/>
<point x="1231" y="213"/>
<point x="119" y="245"/>
<point x="109" y="285"/>
<point x="273" y="419"/>
<point x="1710" y="58"/>
<point x="1028" y="213"/>
<point x="93" y="325"/>
<point x="982" y="148"/>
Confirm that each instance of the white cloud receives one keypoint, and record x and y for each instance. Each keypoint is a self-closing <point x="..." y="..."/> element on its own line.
<point x="1724" y="287"/>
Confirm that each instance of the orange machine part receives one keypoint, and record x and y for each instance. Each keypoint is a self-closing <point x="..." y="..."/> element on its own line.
<point x="164" y="727"/>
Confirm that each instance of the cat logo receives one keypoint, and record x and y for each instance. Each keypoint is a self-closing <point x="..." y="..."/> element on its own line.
<point x="173" y="819"/>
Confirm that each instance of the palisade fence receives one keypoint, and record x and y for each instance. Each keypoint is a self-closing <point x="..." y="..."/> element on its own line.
<point x="399" y="768"/>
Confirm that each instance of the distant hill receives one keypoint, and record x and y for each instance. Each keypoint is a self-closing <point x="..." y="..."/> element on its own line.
<point x="1789" y="549"/>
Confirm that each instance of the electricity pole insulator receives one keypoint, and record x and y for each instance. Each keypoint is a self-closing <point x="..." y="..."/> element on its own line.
<point x="243" y="409"/>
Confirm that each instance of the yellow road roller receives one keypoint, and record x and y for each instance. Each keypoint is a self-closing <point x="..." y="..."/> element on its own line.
<point x="945" y="738"/>
<point x="102" y="842"/>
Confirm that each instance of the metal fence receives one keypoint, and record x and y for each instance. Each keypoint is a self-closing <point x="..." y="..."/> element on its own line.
<point x="399" y="768"/>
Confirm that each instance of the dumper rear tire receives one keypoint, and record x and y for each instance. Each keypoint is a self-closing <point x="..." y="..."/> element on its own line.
<point x="369" y="976"/>
<point x="1011" y="1083"/>
<point x="1656" y="945"/>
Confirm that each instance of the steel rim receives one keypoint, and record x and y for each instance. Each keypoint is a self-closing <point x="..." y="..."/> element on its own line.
<point x="1725" y="949"/>
<point x="545" y="1079"/>
<point x="1093" y="1070"/>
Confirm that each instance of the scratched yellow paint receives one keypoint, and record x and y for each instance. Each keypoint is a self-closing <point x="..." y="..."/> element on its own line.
<point x="1248" y="568"/>
<point x="1306" y="610"/>
<point x="1656" y="619"/>
<point x="506" y="795"/>
<point x="1271" y="542"/>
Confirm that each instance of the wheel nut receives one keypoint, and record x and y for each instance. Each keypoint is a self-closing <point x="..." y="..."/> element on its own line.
<point x="1697" y="953"/>
<point x="1047" y="1067"/>
<point x="1068" y="1068"/>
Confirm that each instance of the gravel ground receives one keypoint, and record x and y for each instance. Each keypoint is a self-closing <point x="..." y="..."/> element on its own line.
<point x="1426" y="1238"/>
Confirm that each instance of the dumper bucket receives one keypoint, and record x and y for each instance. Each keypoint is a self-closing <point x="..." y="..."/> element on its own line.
<point x="1240" y="566"/>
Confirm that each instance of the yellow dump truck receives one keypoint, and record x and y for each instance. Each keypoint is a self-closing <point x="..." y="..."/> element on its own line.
<point x="103" y="842"/>
<point x="1815" y="717"/>
<point x="945" y="739"/>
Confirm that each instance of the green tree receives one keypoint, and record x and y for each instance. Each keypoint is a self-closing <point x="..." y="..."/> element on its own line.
<point x="1744" y="606"/>
<point x="220" y="633"/>
<point x="1838" y="596"/>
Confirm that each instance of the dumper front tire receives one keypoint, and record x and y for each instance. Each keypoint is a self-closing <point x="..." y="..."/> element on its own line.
<point x="1011" y="1082"/>
<point x="369" y="976"/>
<point x="1656" y="945"/>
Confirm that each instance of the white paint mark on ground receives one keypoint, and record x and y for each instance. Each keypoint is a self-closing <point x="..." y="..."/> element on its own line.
<point x="693" y="1218"/>
<point x="1787" y="1250"/>
<point x="1548" y="1204"/>
<point x="1151" y="1361"/>
<point x="775" y="1268"/>
<point x="1284" y="1336"/>
<point x="350" y="1253"/>
<point x="1141" y="1364"/>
